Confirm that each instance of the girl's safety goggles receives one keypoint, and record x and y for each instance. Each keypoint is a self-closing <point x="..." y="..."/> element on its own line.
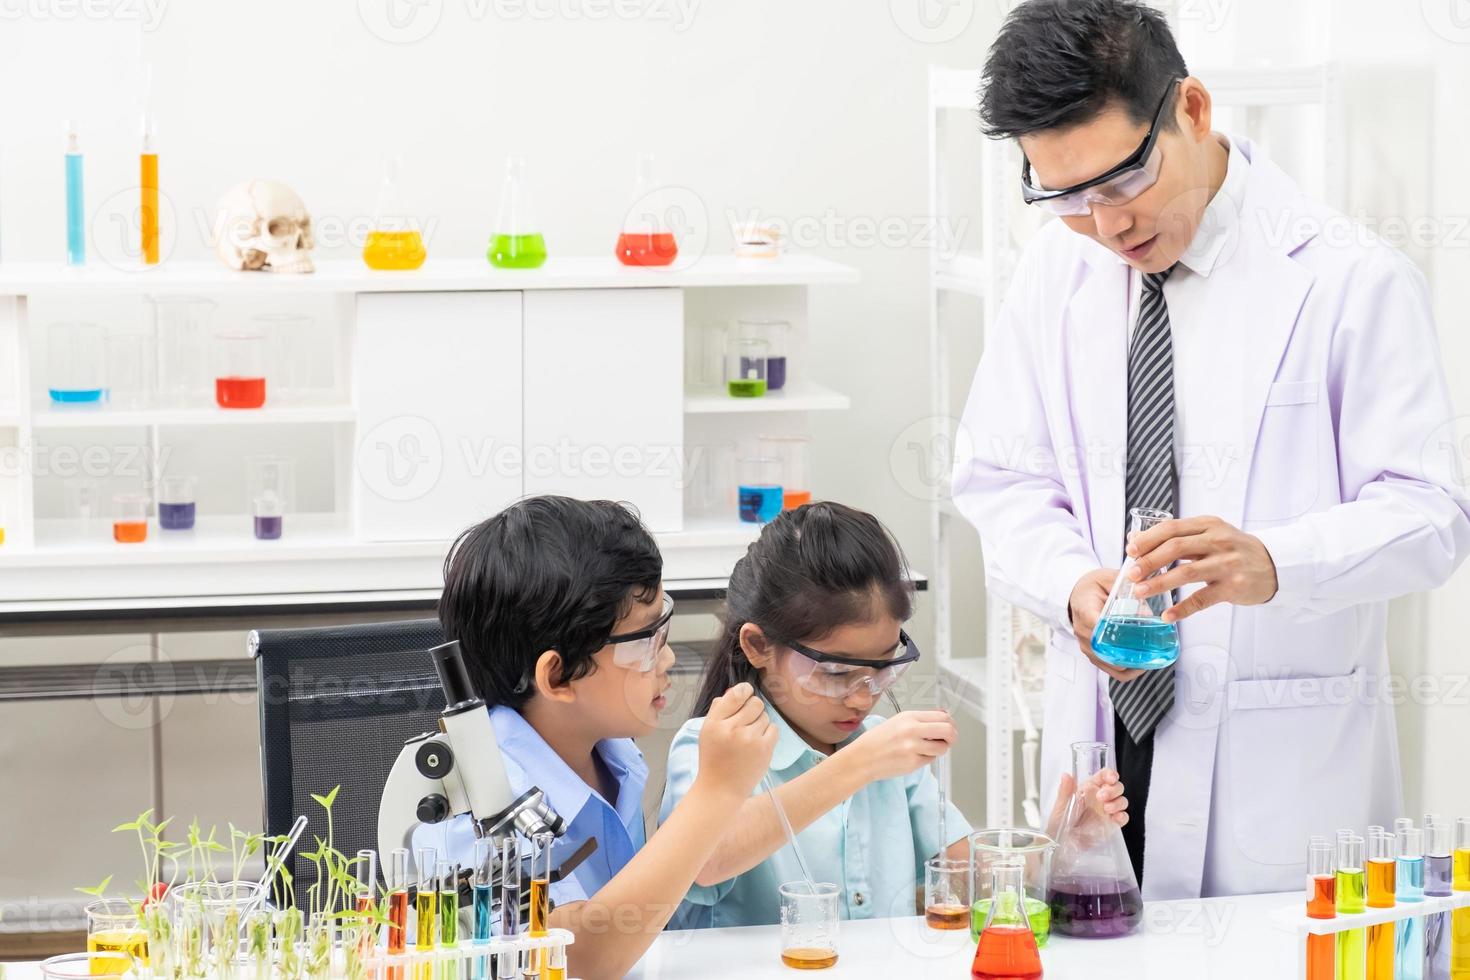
<point x="832" y="675"/>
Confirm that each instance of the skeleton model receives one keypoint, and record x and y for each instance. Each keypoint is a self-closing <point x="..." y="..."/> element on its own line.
<point x="263" y="225"/>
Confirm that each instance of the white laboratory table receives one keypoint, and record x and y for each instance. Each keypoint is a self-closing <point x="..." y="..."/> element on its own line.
<point x="1202" y="939"/>
<point x="1206" y="939"/>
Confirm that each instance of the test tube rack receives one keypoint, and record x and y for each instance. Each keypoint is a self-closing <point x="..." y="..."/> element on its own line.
<point x="1294" y="919"/>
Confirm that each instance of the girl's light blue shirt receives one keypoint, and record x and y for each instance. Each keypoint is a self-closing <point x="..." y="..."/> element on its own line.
<point x="873" y="846"/>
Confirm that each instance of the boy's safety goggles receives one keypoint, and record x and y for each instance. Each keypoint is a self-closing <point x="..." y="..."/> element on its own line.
<point x="1119" y="185"/>
<point x="640" y="649"/>
<point x="832" y="675"/>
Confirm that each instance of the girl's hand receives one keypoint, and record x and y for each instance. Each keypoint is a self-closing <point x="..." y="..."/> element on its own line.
<point x="1104" y="792"/>
<point x="906" y="742"/>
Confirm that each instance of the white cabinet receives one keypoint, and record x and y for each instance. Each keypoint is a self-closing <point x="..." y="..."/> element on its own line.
<point x="438" y="387"/>
<point x="605" y="418"/>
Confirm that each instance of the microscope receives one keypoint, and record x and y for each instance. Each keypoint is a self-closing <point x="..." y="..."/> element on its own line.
<point x="457" y="770"/>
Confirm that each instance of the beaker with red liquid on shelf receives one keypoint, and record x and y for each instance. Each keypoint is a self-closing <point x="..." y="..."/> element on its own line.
<point x="646" y="238"/>
<point x="1007" y="948"/>
<point x="1093" y="892"/>
<point x="239" y="380"/>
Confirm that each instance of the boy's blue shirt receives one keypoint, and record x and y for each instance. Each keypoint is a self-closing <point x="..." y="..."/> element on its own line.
<point x="529" y="761"/>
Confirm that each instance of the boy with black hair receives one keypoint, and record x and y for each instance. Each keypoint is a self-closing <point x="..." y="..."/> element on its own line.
<point x="558" y="605"/>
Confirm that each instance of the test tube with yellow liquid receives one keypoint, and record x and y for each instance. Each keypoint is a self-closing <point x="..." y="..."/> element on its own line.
<point x="1351" y="900"/>
<point x="426" y="907"/>
<point x="541" y="898"/>
<point x="148" y="186"/>
<point x="1460" y="918"/>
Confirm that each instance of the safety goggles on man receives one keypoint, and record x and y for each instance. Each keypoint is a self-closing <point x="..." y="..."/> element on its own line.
<point x="641" y="648"/>
<point x="831" y="675"/>
<point x="1118" y="186"/>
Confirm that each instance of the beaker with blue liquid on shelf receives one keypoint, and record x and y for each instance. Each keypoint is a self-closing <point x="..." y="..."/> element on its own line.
<point x="1131" y="632"/>
<point x="760" y="493"/>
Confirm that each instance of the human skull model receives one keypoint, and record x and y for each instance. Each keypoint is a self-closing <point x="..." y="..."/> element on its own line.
<point x="262" y="224"/>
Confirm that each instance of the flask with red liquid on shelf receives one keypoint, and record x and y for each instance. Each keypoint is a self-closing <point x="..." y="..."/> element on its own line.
<point x="646" y="238"/>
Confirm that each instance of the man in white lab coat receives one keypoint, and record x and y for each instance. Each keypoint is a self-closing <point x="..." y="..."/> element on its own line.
<point x="1195" y="335"/>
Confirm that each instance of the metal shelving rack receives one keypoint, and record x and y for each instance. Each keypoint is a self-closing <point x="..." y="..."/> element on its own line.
<point x="985" y="685"/>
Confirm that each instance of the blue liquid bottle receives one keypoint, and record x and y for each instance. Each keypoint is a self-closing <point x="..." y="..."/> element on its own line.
<point x="1130" y="633"/>
<point x="76" y="222"/>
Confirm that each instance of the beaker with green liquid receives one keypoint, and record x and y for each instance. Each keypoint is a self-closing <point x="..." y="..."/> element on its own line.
<point x="1033" y="852"/>
<point x="516" y="242"/>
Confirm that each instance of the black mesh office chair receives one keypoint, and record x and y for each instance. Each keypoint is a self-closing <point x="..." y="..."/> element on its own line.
<point x="336" y="704"/>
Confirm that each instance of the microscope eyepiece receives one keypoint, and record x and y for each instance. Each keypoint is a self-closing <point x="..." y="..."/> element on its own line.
<point x="454" y="677"/>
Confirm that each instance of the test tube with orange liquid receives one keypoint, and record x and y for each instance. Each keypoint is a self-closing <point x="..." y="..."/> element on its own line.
<point x="1321" y="904"/>
<point x="1382" y="855"/>
<point x="397" y="882"/>
<point x="148" y="184"/>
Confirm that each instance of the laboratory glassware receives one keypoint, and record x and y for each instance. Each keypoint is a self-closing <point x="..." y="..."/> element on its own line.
<point x="448" y="878"/>
<point x="366" y="868"/>
<point x="776" y="334"/>
<point x="795" y="454"/>
<point x="760" y="489"/>
<point x="397" y="882"/>
<point x="76" y="214"/>
<point x="1033" y="851"/>
<point x="1321" y="899"/>
<point x="809" y="925"/>
<point x="1408" y="956"/>
<point x="646" y="238"/>
<point x="482" y="882"/>
<point x="516" y="241"/>
<point x="181" y="326"/>
<point x="1380" y="874"/>
<point x="1438" y="878"/>
<point x="296" y="352"/>
<point x="393" y="243"/>
<point x="1006" y="949"/>
<point x="239" y="379"/>
<point x="76" y="363"/>
<point x="1092" y="892"/>
<point x="176" y="502"/>
<point x="1460" y="918"/>
<point x="1351" y="899"/>
<point x="148" y="187"/>
<point x="82" y="500"/>
<point x="510" y="900"/>
<point x="946" y="893"/>
<point x="426" y="900"/>
<point x="704" y="365"/>
<point x="131" y="362"/>
<point x="745" y="367"/>
<point x="270" y="488"/>
<point x="79" y="966"/>
<point x="114" y="928"/>
<point x="1130" y="633"/>
<point x="129" y="518"/>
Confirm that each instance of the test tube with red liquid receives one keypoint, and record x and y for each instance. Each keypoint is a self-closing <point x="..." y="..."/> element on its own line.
<point x="1321" y="904"/>
<point x="397" y="881"/>
<point x="367" y="884"/>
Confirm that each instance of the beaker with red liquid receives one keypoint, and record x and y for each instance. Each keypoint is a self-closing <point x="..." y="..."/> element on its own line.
<point x="239" y="380"/>
<point x="1007" y="948"/>
<point x="1093" y="892"/>
<point x="646" y="238"/>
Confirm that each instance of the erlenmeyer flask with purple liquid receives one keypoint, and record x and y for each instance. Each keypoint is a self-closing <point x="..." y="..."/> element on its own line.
<point x="1093" y="892"/>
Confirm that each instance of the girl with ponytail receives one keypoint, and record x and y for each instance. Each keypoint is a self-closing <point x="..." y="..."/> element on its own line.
<point x="814" y="622"/>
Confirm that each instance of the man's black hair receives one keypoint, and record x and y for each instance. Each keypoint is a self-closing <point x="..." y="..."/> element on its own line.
<point x="546" y="573"/>
<point x="1060" y="63"/>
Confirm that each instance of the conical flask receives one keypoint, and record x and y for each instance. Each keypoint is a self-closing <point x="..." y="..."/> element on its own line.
<point x="1129" y="632"/>
<point x="646" y="237"/>
<point x="516" y="241"/>
<point x="1007" y="948"/>
<point x="1092" y="891"/>
<point x="393" y="242"/>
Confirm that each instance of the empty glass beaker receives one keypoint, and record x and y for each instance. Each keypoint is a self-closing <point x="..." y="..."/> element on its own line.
<point x="1130" y="632"/>
<point x="704" y="355"/>
<point x="239" y="380"/>
<point x="1006" y="949"/>
<point x="181" y="325"/>
<point x="82" y="500"/>
<point x="794" y="452"/>
<point x="1093" y="892"/>
<point x="809" y="925"/>
<point x="775" y="334"/>
<point x="646" y="238"/>
<point x="131" y="362"/>
<point x="516" y="241"/>
<point x="394" y="243"/>
<point x="760" y="489"/>
<point x="745" y="367"/>
<point x="76" y="370"/>
<point x="1029" y="848"/>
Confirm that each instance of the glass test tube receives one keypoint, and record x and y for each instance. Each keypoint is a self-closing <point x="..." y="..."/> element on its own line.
<point x="510" y="901"/>
<point x="1408" y="943"/>
<point x="1351" y="895"/>
<point x="448" y="903"/>
<point x="1321" y="904"/>
<point x="398" y="901"/>
<point x="426" y="904"/>
<point x="1382" y="855"/>
<point x="483" y="884"/>
<point x="1460" y="918"/>
<point x="367" y="884"/>
<point x="541" y="883"/>
<point x="1438" y="859"/>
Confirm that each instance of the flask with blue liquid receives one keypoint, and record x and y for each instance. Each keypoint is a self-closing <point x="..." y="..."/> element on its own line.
<point x="1131" y="632"/>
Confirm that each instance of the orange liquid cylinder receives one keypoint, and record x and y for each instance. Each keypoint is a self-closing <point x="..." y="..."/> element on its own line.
<point x="1321" y="904"/>
<point x="148" y="213"/>
<point x="809" y="958"/>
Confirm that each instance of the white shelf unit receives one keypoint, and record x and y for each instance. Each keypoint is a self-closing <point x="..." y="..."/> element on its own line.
<point x="484" y="360"/>
<point x="984" y="682"/>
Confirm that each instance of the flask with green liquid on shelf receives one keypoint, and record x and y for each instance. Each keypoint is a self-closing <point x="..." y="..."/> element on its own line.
<point x="516" y="241"/>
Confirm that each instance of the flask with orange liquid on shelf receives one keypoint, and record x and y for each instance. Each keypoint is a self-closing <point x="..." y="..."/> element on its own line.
<point x="393" y="244"/>
<point x="646" y="238"/>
